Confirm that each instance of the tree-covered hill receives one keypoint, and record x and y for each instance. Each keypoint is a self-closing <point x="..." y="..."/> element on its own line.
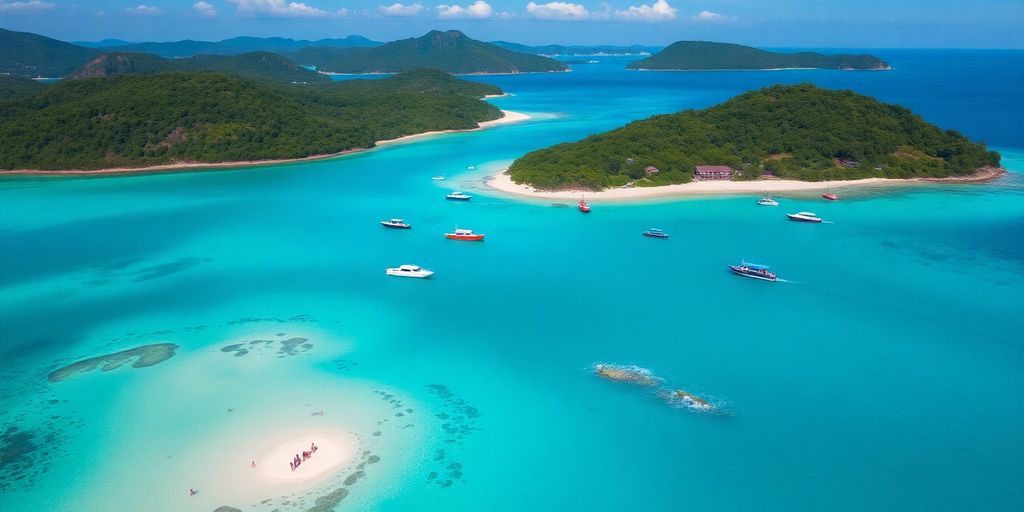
<point x="697" y="55"/>
<point x="15" y="87"/>
<point x="450" y="51"/>
<point x="233" y="46"/>
<point x="32" y="55"/>
<point x="798" y="132"/>
<point x="576" y="50"/>
<point x="142" y="120"/>
<point x="269" y="66"/>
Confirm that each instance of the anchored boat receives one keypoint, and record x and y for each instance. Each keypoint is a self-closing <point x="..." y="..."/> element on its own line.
<point x="655" y="233"/>
<point x="767" y="201"/>
<point x="409" y="271"/>
<point x="395" y="223"/>
<point x="466" y="235"/>
<point x="584" y="206"/>
<point x="458" y="196"/>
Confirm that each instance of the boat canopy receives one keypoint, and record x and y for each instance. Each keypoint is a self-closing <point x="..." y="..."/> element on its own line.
<point x="463" y="231"/>
<point x="756" y="266"/>
<point x="409" y="267"/>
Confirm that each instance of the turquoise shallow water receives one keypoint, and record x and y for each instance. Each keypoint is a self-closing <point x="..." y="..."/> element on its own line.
<point x="885" y="374"/>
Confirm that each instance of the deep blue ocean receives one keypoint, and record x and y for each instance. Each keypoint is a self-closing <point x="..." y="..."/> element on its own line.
<point x="886" y="373"/>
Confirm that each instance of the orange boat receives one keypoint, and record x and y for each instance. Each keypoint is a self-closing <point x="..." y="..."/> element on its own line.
<point x="584" y="207"/>
<point x="466" y="235"/>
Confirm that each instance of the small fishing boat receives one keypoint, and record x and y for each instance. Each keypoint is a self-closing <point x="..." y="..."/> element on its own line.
<point x="438" y="178"/>
<point x="471" y="167"/>
<point x="830" y="196"/>
<point x="584" y="206"/>
<point x="409" y="271"/>
<point x="395" y="223"/>
<point x="753" y="271"/>
<point x="691" y="401"/>
<point x="655" y="233"/>
<point x="767" y="201"/>
<point x="458" y="196"/>
<point x="466" y="235"/>
<point x="804" y="217"/>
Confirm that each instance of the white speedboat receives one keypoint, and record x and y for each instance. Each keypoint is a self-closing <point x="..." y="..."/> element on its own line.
<point x="458" y="196"/>
<point x="395" y="223"/>
<point x="804" y="217"/>
<point x="767" y="201"/>
<point x="438" y="178"/>
<point x="409" y="271"/>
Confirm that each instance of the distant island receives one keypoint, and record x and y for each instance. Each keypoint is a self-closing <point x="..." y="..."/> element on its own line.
<point x="33" y="55"/>
<point x="797" y="132"/>
<point x="702" y="55"/>
<point x="262" y="65"/>
<point x="450" y="51"/>
<point x="190" y="118"/>
<point x="578" y="50"/>
<point x="233" y="46"/>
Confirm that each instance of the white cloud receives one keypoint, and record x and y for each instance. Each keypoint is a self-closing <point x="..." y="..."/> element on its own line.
<point x="400" y="10"/>
<point x="658" y="11"/>
<point x="204" y="9"/>
<point x="143" y="10"/>
<point x="558" y="11"/>
<point x="478" y="9"/>
<point x="277" y="8"/>
<point x="710" y="17"/>
<point x="341" y="12"/>
<point x="32" y="5"/>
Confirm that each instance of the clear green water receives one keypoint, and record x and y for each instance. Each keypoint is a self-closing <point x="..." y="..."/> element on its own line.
<point x="885" y="375"/>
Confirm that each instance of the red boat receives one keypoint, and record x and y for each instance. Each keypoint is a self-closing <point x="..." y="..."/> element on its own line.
<point x="465" y="234"/>
<point x="584" y="207"/>
<point x="830" y="196"/>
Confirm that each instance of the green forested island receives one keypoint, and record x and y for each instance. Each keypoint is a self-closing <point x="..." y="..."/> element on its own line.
<point x="450" y="51"/>
<point x="233" y="46"/>
<point x="577" y="50"/>
<point x="798" y="132"/>
<point x="32" y="55"/>
<point x="703" y="55"/>
<point x="265" y="65"/>
<point x="146" y="120"/>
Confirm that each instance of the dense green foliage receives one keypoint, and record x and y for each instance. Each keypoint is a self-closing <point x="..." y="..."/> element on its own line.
<point x="449" y="51"/>
<point x="799" y="132"/>
<point x="25" y="54"/>
<point x="15" y="87"/>
<point x="139" y="120"/>
<point x="264" y="65"/>
<point x="559" y="49"/>
<point x="233" y="46"/>
<point x="690" y="55"/>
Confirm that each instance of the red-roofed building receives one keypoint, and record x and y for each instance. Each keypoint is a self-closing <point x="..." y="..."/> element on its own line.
<point x="713" y="172"/>
<point x="650" y="169"/>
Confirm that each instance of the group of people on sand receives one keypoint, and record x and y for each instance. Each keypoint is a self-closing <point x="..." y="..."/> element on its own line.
<point x="294" y="464"/>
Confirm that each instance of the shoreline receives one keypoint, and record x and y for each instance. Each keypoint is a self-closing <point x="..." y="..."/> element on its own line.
<point x="509" y="117"/>
<point x="503" y="183"/>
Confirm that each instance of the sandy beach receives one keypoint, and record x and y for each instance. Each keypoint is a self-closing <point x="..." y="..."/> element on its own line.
<point x="502" y="182"/>
<point x="509" y="118"/>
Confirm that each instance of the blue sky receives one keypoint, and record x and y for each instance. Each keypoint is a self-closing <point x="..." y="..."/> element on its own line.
<point x="773" y="23"/>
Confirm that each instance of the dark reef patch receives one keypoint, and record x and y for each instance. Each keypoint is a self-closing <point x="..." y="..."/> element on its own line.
<point x="140" y="357"/>
<point x="459" y="418"/>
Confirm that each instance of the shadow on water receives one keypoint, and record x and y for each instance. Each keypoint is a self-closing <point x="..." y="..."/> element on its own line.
<point x="111" y="240"/>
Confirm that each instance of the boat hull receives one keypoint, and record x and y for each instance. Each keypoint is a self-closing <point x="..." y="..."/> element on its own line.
<point x="736" y="270"/>
<point x="660" y="236"/>
<point x="450" y="198"/>
<point x="395" y="226"/>
<point x="464" y="238"/>
<point x="421" y="274"/>
<point x="802" y="219"/>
